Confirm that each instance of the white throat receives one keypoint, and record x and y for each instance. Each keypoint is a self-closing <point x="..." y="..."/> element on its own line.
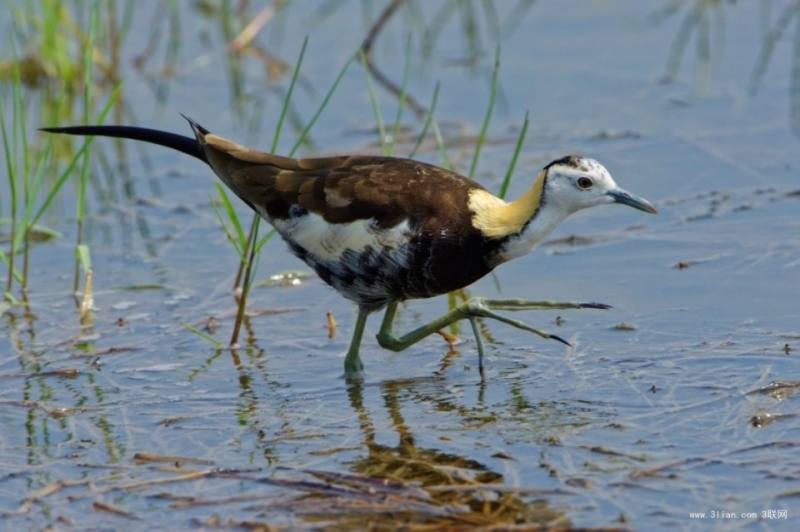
<point x="547" y="218"/>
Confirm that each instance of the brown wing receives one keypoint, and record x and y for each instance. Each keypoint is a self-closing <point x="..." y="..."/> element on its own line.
<point x="340" y="189"/>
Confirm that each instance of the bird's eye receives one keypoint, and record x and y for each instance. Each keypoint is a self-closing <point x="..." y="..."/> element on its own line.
<point x="585" y="182"/>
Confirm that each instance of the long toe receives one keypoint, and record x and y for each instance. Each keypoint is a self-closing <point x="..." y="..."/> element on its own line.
<point x="558" y="339"/>
<point x="602" y="306"/>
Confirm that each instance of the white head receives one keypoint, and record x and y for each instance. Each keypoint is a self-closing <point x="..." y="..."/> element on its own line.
<point x="565" y="186"/>
<point x="575" y="183"/>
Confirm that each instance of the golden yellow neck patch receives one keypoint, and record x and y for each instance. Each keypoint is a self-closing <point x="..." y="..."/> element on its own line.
<point x="496" y="218"/>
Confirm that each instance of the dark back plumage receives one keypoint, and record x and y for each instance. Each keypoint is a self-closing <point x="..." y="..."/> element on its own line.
<point x="378" y="229"/>
<point x="390" y="194"/>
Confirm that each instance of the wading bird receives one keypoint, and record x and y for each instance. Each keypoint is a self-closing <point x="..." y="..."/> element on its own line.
<point x="382" y="230"/>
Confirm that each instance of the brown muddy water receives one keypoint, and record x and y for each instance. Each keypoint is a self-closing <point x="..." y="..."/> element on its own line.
<point x="677" y="402"/>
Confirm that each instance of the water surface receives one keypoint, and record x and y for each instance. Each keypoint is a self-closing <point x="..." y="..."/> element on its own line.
<point x="678" y="400"/>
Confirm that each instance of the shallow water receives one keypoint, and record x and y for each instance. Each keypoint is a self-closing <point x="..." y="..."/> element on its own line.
<point x="678" y="400"/>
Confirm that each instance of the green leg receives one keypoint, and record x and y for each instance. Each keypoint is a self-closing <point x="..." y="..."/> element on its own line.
<point x="471" y="309"/>
<point x="353" y="367"/>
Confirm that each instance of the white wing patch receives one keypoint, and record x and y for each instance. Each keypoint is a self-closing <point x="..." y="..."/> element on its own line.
<point x="329" y="241"/>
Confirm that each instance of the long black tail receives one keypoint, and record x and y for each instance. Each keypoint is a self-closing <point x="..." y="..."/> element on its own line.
<point x="180" y="143"/>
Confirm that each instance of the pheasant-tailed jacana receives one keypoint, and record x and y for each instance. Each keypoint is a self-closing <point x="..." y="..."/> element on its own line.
<point x="381" y="230"/>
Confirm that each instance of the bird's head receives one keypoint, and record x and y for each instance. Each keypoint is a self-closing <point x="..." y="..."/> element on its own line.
<point x="575" y="183"/>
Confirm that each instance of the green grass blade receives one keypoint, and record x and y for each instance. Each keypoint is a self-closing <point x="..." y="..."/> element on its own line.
<point x="31" y="215"/>
<point x="440" y="143"/>
<point x="83" y="184"/>
<point x="517" y="150"/>
<point x="87" y="102"/>
<point x="486" y="119"/>
<point x="266" y="238"/>
<point x="11" y="300"/>
<point x="237" y="237"/>
<point x="373" y="98"/>
<point x="247" y="265"/>
<point x="84" y="256"/>
<point x="428" y="120"/>
<point x="11" y="165"/>
<point x="68" y="170"/>
<point x="20" y="118"/>
<point x="401" y="103"/>
<point x="325" y="100"/>
<point x="203" y="335"/>
<point x="276" y="137"/>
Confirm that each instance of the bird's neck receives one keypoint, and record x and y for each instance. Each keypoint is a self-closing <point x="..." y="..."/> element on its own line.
<point x="496" y="218"/>
<point x="543" y="222"/>
<point x="522" y="224"/>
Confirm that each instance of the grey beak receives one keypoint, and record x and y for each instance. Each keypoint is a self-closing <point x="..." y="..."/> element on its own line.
<point x="631" y="200"/>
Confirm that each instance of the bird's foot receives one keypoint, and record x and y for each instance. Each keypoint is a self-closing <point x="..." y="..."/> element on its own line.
<point x="353" y="368"/>
<point x="485" y="308"/>
<point x="524" y="304"/>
